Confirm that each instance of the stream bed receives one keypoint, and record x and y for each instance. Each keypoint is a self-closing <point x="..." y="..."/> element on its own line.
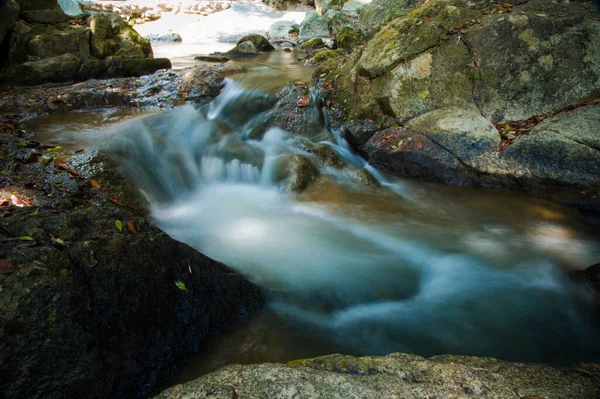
<point x="347" y="265"/>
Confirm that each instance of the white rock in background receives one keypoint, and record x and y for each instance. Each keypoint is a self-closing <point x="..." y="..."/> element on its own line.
<point x="70" y="7"/>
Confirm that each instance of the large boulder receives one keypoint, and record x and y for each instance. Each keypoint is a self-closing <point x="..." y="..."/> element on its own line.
<point x="313" y="26"/>
<point x="394" y="376"/>
<point x="374" y="15"/>
<point x="9" y="13"/>
<point x="49" y="41"/>
<point x="260" y="42"/>
<point x="282" y="31"/>
<point x="61" y="68"/>
<point x="322" y="6"/>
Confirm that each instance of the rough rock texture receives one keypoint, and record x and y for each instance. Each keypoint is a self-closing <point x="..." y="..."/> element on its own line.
<point x="163" y="89"/>
<point x="313" y="26"/>
<point x="282" y="31"/>
<point x="377" y="13"/>
<point x="337" y="20"/>
<point x="103" y="310"/>
<point x="322" y="6"/>
<point x="476" y="57"/>
<point x="100" y="42"/>
<point x="243" y="49"/>
<point x="393" y="376"/>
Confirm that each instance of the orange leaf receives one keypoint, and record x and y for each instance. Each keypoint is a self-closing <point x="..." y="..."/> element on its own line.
<point x="115" y="201"/>
<point x="389" y="136"/>
<point x="62" y="164"/>
<point x="95" y="184"/>
<point x="569" y="112"/>
<point x="131" y="227"/>
<point x="327" y="84"/>
<point x="6" y="266"/>
<point x="425" y="18"/>
<point x="419" y="145"/>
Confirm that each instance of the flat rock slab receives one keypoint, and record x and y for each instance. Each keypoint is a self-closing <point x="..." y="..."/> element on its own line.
<point x="394" y="376"/>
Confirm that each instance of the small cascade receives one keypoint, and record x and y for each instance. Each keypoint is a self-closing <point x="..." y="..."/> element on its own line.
<point x="393" y="266"/>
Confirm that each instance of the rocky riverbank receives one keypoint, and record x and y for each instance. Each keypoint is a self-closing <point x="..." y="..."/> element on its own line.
<point x="96" y="301"/>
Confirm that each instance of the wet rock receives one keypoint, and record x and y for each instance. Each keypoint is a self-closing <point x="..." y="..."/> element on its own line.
<point x="260" y="42"/>
<point x="313" y="26"/>
<point x="100" y="27"/>
<point x="312" y="43"/>
<point x="327" y="155"/>
<point x="212" y="58"/>
<point x="244" y="49"/>
<point x="306" y="121"/>
<point x="103" y="309"/>
<point x="166" y="38"/>
<point x="590" y="279"/>
<point x="359" y="132"/>
<point x="321" y="56"/>
<point x="300" y="174"/>
<point x="396" y="375"/>
<point x="9" y="12"/>
<point x="145" y="66"/>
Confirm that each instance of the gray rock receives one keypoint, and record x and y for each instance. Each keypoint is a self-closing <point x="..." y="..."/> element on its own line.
<point x="166" y="38"/>
<point x="337" y="20"/>
<point x="377" y="13"/>
<point x="70" y="7"/>
<point x="9" y="13"/>
<point x="393" y="376"/>
<point x="244" y="49"/>
<point x="322" y="6"/>
<point x="280" y="31"/>
<point x="313" y="26"/>
<point x="353" y="7"/>
<point x="260" y="42"/>
<point x="359" y="132"/>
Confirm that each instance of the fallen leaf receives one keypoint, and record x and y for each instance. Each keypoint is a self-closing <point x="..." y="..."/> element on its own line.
<point x="394" y="147"/>
<point x="181" y="285"/>
<point x="18" y="201"/>
<point x="541" y="15"/>
<point x="327" y="84"/>
<point x="304" y="101"/>
<point x="119" y="225"/>
<point x="425" y="18"/>
<point x="26" y="238"/>
<point x="58" y="241"/>
<point x="115" y="201"/>
<point x="569" y="112"/>
<point x="95" y="184"/>
<point x="389" y="136"/>
<point x="106" y="101"/>
<point x="35" y="213"/>
<point x="419" y="145"/>
<point x="131" y="227"/>
<point x="6" y="266"/>
<point x="508" y="5"/>
<point x="61" y="163"/>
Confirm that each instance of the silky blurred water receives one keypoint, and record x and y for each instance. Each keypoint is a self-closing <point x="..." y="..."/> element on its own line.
<point x="353" y="268"/>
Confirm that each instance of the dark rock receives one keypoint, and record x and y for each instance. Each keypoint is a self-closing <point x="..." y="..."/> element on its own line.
<point x="9" y="13"/>
<point x="145" y="66"/>
<point x="44" y="16"/>
<point x="61" y="68"/>
<point x="28" y="5"/>
<point x="347" y="38"/>
<point x="244" y="49"/>
<point x="260" y="42"/>
<point x="212" y="58"/>
<point x="359" y="132"/>
<point x="590" y="279"/>
<point x="104" y="310"/>
<point x="51" y="41"/>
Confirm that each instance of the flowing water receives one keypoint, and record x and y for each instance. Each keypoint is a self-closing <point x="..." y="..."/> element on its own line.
<point x="352" y="267"/>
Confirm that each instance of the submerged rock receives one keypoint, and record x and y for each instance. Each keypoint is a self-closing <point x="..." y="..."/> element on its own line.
<point x="397" y="375"/>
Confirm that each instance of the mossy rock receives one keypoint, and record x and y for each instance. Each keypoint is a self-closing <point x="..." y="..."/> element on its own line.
<point x="313" y="43"/>
<point x="377" y="13"/>
<point x="260" y="42"/>
<point x="323" y="55"/>
<point x="145" y="66"/>
<point x="347" y="39"/>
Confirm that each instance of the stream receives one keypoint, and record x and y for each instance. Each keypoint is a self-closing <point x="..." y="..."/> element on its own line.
<point x="347" y="267"/>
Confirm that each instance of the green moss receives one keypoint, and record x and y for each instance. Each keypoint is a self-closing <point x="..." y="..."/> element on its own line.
<point x="347" y="38"/>
<point x="532" y="43"/>
<point x="313" y="43"/>
<point x="324" y="55"/>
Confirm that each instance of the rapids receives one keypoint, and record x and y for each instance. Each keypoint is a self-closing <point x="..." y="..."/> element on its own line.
<point x="351" y="267"/>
